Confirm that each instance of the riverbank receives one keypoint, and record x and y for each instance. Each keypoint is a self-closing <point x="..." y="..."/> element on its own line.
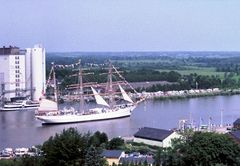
<point x="184" y="94"/>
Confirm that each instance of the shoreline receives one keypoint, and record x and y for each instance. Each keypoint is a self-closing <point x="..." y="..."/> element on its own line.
<point x="196" y="95"/>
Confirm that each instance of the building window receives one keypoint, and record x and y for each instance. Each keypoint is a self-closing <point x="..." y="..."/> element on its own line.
<point x="17" y="80"/>
<point x="17" y="92"/>
<point x="17" y="76"/>
<point x="16" y="62"/>
<point x="17" y="71"/>
<point x="17" y="67"/>
<point x="16" y="57"/>
<point x="17" y="84"/>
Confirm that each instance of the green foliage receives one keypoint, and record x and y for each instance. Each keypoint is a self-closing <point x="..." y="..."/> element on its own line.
<point x="98" y="139"/>
<point x="4" y="162"/>
<point x="93" y="158"/>
<point x="72" y="148"/>
<point x="67" y="148"/>
<point x="201" y="149"/>
<point x="139" y="147"/>
<point x="23" y="161"/>
<point x="30" y="161"/>
<point x="151" y="75"/>
<point x="115" y="143"/>
<point x="211" y="148"/>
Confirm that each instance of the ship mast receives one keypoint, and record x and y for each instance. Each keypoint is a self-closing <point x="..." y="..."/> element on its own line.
<point x="111" y="100"/>
<point x="55" y="84"/>
<point x="80" y="81"/>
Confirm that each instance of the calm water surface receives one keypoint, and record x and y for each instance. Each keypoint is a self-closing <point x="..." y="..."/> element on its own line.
<point x="19" y="129"/>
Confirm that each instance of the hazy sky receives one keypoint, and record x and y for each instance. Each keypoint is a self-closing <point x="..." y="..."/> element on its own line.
<point x="121" y="25"/>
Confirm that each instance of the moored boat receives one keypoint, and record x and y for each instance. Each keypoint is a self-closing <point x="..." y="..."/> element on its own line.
<point x="107" y="110"/>
<point x="20" y="105"/>
<point x="93" y="115"/>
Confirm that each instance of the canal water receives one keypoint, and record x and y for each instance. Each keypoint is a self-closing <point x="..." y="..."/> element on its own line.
<point x="21" y="129"/>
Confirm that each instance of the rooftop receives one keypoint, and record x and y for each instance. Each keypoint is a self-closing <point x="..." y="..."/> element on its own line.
<point x="153" y="133"/>
<point x="137" y="160"/>
<point x="236" y="121"/>
<point x="235" y="134"/>
<point x="11" y="50"/>
<point x="112" y="153"/>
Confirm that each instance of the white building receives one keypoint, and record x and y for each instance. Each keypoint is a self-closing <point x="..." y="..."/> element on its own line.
<point x="22" y="72"/>
<point x="156" y="137"/>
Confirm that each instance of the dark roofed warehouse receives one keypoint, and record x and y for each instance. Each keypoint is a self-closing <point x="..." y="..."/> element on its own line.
<point x="153" y="136"/>
<point x="236" y="124"/>
<point x="153" y="133"/>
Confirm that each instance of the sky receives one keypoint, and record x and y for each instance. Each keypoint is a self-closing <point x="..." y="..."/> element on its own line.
<point x="121" y="25"/>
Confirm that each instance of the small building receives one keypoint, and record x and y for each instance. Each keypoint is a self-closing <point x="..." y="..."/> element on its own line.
<point x="155" y="137"/>
<point x="235" y="135"/>
<point x="236" y="124"/>
<point x="113" y="156"/>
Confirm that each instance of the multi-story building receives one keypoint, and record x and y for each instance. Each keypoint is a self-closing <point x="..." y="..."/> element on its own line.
<point x="22" y="72"/>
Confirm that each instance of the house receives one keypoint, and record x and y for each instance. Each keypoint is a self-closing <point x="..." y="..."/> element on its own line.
<point x="155" y="137"/>
<point x="113" y="156"/>
<point x="235" y="135"/>
<point x="236" y="124"/>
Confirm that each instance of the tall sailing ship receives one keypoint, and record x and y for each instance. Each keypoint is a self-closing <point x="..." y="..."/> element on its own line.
<point x="49" y="113"/>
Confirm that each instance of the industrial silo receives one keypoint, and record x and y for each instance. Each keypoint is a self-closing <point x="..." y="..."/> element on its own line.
<point x="36" y="71"/>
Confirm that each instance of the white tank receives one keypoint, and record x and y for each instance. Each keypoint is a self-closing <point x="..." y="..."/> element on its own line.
<point x="36" y="71"/>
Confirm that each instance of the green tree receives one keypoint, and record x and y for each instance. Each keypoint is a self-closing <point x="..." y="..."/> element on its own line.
<point x="67" y="148"/>
<point x="115" y="143"/>
<point x="93" y="158"/>
<point x="5" y="162"/>
<point x="205" y="149"/>
<point x="158" y="157"/>
<point x="98" y="138"/>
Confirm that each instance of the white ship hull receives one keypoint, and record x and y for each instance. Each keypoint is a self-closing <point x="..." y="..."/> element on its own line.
<point x="76" y="118"/>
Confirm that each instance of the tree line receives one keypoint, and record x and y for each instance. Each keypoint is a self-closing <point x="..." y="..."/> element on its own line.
<point x="175" y="79"/>
<point x="140" y="67"/>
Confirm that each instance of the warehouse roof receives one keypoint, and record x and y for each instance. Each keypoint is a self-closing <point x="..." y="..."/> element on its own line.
<point x="112" y="153"/>
<point x="153" y="133"/>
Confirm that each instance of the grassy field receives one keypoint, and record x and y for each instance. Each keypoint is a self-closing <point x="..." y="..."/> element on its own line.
<point x="181" y="67"/>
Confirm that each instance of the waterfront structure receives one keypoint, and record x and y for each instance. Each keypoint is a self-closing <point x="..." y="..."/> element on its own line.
<point x="155" y="137"/>
<point x="236" y="124"/>
<point x="22" y="72"/>
<point x="113" y="156"/>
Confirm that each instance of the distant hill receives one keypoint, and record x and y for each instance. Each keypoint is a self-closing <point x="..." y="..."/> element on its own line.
<point x="160" y="53"/>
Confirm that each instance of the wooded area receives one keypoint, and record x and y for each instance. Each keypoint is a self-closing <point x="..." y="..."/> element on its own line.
<point x="187" y="70"/>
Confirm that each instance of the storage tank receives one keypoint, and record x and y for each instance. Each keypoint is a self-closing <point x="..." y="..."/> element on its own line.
<point x="36" y="70"/>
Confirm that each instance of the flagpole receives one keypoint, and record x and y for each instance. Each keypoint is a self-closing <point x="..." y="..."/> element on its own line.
<point x="221" y="118"/>
<point x="209" y="124"/>
<point x="200" y="124"/>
